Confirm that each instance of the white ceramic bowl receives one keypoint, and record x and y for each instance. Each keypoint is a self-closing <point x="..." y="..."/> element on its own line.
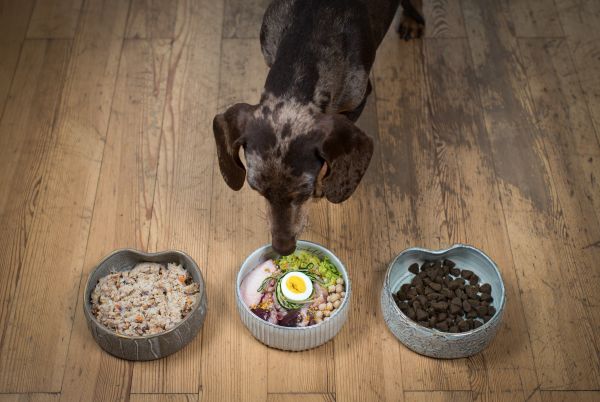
<point x="429" y="341"/>
<point x="292" y="338"/>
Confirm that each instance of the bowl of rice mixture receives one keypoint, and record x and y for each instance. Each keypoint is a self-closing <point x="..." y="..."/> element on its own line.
<point x="145" y="306"/>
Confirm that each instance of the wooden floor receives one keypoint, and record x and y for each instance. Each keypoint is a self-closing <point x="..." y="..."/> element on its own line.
<point x="487" y="132"/>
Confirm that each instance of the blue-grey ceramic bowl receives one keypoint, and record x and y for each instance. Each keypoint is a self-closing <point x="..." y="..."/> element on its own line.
<point x="148" y="347"/>
<point x="294" y="338"/>
<point x="429" y="341"/>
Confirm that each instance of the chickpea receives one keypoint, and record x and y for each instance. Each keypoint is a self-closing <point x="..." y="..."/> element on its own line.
<point x="319" y="314"/>
<point x="318" y="320"/>
<point x="329" y="298"/>
<point x="336" y="304"/>
<point x="343" y="294"/>
<point x="322" y="306"/>
<point x="326" y="313"/>
<point x="339" y="281"/>
<point x="331" y="289"/>
<point x="329" y="306"/>
<point x="339" y="288"/>
<point x="334" y="297"/>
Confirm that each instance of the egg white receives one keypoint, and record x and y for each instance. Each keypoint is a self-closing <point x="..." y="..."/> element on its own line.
<point x="292" y="296"/>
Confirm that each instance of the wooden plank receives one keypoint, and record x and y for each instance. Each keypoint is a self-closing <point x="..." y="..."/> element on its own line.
<point x="123" y="205"/>
<point x="580" y="21"/>
<point x="568" y="396"/>
<point x="14" y="18"/>
<point x="152" y="19"/>
<point x="181" y="210"/>
<point x="59" y="228"/>
<point x="25" y="142"/>
<point x="33" y="397"/>
<point x="466" y="171"/>
<point x="242" y="19"/>
<point x="413" y="194"/>
<point x="438" y="396"/>
<point x="164" y="398"/>
<point x="359" y="233"/>
<point x="54" y="19"/>
<point x="300" y="398"/>
<point x="535" y="18"/>
<point x="238" y="227"/>
<point x="574" y="158"/>
<point x="443" y="19"/>
<point x="531" y="206"/>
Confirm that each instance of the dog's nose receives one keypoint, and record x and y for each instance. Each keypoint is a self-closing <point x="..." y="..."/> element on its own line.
<point x="284" y="246"/>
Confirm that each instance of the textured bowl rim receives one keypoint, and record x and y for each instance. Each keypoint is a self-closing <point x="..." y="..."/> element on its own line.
<point x="196" y="306"/>
<point x="336" y="262"/>
<point x="450" y="335"/>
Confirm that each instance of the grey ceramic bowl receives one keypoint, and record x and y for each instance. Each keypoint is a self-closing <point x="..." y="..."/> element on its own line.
<point x="154" y="346"/>
<point x="294" y="338"/>
<point x="431" y="342"/>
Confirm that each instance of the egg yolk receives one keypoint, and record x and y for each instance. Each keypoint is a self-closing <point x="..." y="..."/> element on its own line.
<point x="296" y="285"/>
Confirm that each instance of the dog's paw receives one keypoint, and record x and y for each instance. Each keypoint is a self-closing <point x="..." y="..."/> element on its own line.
<point x="409" y="28"/>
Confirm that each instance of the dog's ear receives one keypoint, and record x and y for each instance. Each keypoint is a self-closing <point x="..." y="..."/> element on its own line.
<point x="228" y="129"/>
<point x="347" y="152"/>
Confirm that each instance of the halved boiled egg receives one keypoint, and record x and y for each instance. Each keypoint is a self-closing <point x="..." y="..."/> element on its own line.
<point x="296" y="286"/>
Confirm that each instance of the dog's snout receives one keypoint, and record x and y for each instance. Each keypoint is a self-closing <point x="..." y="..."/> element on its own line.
<point x="284" y="246"/>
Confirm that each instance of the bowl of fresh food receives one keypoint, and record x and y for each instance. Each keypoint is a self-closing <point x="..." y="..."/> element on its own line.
<point x="443" y="303"/>
<point x="296" y="302"/>
<point x="144" y="306"/>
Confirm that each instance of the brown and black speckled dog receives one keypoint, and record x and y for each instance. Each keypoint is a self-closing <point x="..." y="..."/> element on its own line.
<point x="300" y="141"/>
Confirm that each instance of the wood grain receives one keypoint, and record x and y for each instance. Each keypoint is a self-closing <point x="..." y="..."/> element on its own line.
<point x="25" y="143"/>
<point x="301" y="398"/>
<point x="579" y="21"/>
<point x="438" y="396"/>
<point x="243" y="18"/>
<point x="123" y="205"/>
<point x="443" y="19"/>
<point x="468" y="182"/>
<point x="31" y="397"/>
<point x="59" y="229"/>
<point x="535" y="220"/>
<point x="54" y="19"/>
<point x="164" y="398"/>
<point x="567" y="396"/>
<point x="535" y="18"/>
<point x="237" y="227"/>
<point x="181" y="209"/>
<point x="14" y="19"/>
<point x="152" y="19"/>
<point x="413" y="195"/>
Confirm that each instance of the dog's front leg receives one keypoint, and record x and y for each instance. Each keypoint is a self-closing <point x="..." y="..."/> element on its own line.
<point x="412" y="22"/>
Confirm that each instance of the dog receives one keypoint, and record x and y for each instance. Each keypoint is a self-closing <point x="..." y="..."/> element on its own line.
<point x="300" y="141"/>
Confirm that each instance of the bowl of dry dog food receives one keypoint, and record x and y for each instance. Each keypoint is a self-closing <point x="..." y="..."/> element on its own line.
<point x="295" y="302"/>
<point x="444" y="304"/>
<point x="145" y="306"/>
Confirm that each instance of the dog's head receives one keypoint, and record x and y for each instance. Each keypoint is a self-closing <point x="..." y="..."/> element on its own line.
<point x="292" y="154"/>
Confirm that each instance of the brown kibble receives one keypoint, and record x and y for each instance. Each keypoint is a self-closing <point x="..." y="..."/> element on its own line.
<point x="465" y="273"/>
<point x="470" y="291"/>
<point x="486" y="288"/>
<point x="447" y="293"/>
<point x="440" y="306"/>
<point x="457" y="301"/>
<point x="410" y="312"/>
<point x="491" y="310"/>
<point x="449" y="263"/>
<point x="435" y="286"/>
<point x="474" y="279"/>
<point x="455" y="284"/>
<point x="424" y="324"/>
<point x="414" y="268"/>
<point x="477" y="324"/>
<point x="454" y="329"/>
<point x="455" y="272"/>
<point x="466" y="306"/>
<point x="454" y="309"/>
<point x="442" y="326"/>
<point x="442" y="317"/>
<point x="474" y="302"/>
<point x="486" y="297"/>
<point x="421" y="315"/>
<point x="472" y="314"/>
<point x="486" y="318"/>
<point x="416" y="281"/>
<point x="481" y="311"/>
<point x="432" y="321"/>
<point x="416" y="305"/>
<point x="463" y="325"/>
